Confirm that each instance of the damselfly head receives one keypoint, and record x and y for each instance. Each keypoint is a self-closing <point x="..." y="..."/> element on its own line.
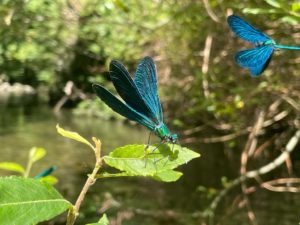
<point x="172" y="138"/>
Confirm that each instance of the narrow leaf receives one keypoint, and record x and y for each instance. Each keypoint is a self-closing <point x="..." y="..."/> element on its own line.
<point x="73" y="135"/>
<point x="11" y="166"/>
<point x="27" y="201"/>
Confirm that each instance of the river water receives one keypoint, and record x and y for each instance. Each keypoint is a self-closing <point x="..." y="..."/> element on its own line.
<point x="134" y="200"/>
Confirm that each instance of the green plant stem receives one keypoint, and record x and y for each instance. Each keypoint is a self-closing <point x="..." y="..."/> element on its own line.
<point x="28" y="167"/>
<point x="73" y="212"/>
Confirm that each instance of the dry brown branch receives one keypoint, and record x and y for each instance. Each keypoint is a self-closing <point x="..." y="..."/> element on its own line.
<point x="232" y="136"/>
<point x="264" y="146"/>
<point x="291" y="101"/>
<point x="273" y="185"/>
<point x="290" y="146"/>
<point x="205" y="65"/>
<point x="248" y="152"/>
<point x="209" y="11"/>
<point x="193" y="130"/>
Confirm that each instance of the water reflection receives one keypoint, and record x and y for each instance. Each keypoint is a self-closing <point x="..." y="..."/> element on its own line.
<point x="22" y="128"/>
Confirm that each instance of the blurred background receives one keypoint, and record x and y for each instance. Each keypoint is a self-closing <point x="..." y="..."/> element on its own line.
<point x="52" y="51"/>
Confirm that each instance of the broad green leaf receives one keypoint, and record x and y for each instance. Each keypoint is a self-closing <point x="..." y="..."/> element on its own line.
<point x="102" y="221"/>
<point x="27" y="201"/>
<point x="73" y="135"/>
<point x="133" y="160"/>
<point x="37" y="153"/>
<point x="11" y="166"/>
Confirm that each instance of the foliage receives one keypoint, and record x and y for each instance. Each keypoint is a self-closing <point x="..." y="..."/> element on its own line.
<point x="157" y="162"/>
<point x="28" y="201"/>
<point x="50" y="42"/>
<point x="33" y="40"/>
<point x="132" y="161"/>
<point x="95" y="108"/>
<point x="40" y="201"/>
<point x="35" y="154"/>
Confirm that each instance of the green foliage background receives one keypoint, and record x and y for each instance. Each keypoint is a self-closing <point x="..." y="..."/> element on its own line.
<point x="47" y="43"/>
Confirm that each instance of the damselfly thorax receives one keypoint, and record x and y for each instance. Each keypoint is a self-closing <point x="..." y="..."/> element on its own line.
<point x="265" y="43"/>
<point x="162" y="131"/>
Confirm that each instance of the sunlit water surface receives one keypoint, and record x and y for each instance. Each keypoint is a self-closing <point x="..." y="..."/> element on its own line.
<point x="134" y="201"/>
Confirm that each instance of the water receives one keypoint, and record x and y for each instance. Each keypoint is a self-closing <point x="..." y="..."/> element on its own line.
<point x="133" y="200"/>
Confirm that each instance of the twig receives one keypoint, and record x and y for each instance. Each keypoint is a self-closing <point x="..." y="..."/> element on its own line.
<point x="71" y="92"/>
<point x="255" y="173"/>
<point x="291" y="101"/>
<point x="229" y="137"/>
<point x="248" y="152"/>
<point x="264" y="145"/>
<point x="223" y="138"/>
<point x="73" y="212"/>
<point x="270" y="185"/>
<point x="206" y="52"/>
<point x="209" y="11"/>
<point x="194" y="130"/>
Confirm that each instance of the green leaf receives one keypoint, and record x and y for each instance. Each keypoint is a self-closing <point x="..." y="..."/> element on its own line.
<point x="157" y="163"/>
<point x="295" y="6"/>
<point x="73" y="135"/>
<point x="27" y="201"/>
<point x="37" y="153"/>
<point x="102" y="221"/>
<point x="274" y="3"/>
<point x="168" y="176"/>
<point x="49" y="179"/>
<point x="11" y="166"/>
<point x="256" y="11"/>
<point x="290" y="19"/>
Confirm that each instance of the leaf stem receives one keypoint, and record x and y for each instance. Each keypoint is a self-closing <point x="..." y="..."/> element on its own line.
<point x="30" y="162"/>
<point x="74" y="211"/>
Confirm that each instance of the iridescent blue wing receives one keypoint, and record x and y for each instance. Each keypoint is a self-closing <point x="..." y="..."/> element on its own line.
<point x="245" y="30"/>
<point x="146" y="82"/>
<point x="128" y="90"/>
<point x="255" y="59"/>
<point x="123" y="109"/>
